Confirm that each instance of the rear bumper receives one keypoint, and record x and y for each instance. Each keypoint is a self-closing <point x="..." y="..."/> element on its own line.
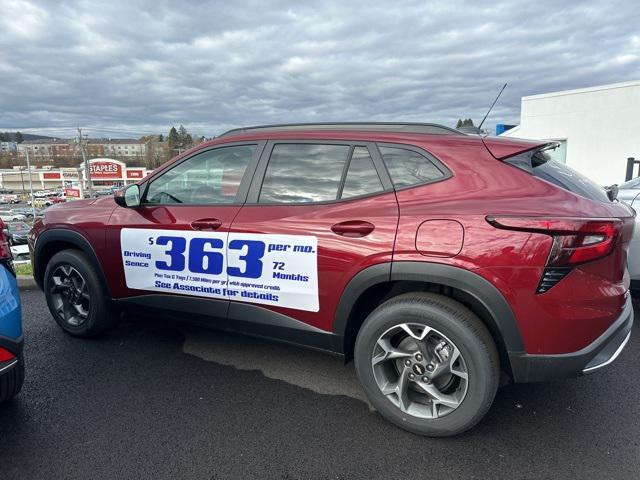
<point x="603" y="351"/>
<point x="15" y="347"/>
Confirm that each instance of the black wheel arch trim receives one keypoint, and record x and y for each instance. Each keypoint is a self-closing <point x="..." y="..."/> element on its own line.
<point x="466" y="281"/>
<point x="71" y="237"/>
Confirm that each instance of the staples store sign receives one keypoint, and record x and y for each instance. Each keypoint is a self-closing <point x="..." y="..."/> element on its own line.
<point x="105" y="171"/>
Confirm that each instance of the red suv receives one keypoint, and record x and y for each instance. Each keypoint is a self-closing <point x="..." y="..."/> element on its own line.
<point x="434" y="259"/>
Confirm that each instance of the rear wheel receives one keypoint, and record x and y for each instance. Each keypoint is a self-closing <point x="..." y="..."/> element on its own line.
<point x="427" y="364"/>
<point x="75" y="295"/>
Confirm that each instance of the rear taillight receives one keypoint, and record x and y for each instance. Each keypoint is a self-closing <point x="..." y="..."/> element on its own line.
<point x="6" y="355"/>
<point x="575" y="241"/>
<point x="5" y="250"/>
<point x="6" y="257"/>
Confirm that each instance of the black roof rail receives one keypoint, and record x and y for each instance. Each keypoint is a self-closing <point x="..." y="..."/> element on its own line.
<point x="396" y="127"/>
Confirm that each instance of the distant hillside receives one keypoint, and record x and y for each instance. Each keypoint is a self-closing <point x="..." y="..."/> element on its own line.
<point x="11" y="136"/>
<point x="31" y="136"/>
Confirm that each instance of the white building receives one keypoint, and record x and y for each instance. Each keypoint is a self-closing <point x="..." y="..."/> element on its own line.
<point x="120" y="147"/>
<point x="7" y="147"/>
<point x="598" y="127"/>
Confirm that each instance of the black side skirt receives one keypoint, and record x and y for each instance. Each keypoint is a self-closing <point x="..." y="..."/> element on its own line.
<point x="235" y="317"/>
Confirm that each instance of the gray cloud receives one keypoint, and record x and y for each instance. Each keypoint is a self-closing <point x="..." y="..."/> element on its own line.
<point x="146" y="65"/>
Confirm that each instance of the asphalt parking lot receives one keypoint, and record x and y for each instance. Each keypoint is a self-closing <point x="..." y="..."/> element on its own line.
<point x="161" y="400"/>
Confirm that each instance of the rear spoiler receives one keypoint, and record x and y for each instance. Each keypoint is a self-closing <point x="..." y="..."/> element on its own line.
<point x="502" y="148"/>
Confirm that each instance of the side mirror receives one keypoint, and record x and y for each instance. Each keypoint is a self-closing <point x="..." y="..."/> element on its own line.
<point x="128" y="197"/>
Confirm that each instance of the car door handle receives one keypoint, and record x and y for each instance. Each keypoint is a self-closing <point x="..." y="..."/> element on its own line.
<point x="353" y="228"/>
<point x="206" y="224"/>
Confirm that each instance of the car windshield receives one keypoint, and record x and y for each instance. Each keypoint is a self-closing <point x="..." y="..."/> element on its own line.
<point x="18" y="227"/>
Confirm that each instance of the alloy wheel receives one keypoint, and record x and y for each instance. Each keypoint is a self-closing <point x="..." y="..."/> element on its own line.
<point x="70" y="295"/>
<point x="420" y="370"/>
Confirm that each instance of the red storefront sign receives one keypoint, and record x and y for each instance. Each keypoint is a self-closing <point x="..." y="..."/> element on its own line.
<point x="51" y="176"/>
<point x="105" y="170"/>
<point x="134" y="173"/>
<point x="72" y="192"/>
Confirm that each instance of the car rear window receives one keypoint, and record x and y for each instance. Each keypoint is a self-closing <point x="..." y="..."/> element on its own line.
<point x="540" y="164"/>
<point x="408" y="168"/>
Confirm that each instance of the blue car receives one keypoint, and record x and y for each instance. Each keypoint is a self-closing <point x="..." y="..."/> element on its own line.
<point x="11" y="363"/>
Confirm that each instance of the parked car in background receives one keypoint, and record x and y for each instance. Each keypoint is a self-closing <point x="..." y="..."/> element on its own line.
<point x="9" y="216"/>
<point x="433" y="258"/>
<point x="44" y="193"/>
<point x="20" y="253"/>
<point x="44" y="202"/>
<point x="104" y="192"/>
<point x="4" y="199"/>
<point x="17" y="232"/>
<point x="11" y="360"/>
<point x="26" y="211"/>
<point x="629" y="192"/>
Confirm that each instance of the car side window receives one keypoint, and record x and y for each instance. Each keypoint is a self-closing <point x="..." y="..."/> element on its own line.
<point x="208" y="178"/>
<point x="408" y="168"/>
<point x="303" y="173"/>
<point x="362" y="177"/>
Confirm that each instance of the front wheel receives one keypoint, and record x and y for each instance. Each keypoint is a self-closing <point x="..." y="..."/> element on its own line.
<point x="75" y="295"/>
<point x="427" y="364"/>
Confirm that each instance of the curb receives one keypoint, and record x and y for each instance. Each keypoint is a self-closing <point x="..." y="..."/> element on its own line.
<point x="26" y="282"/>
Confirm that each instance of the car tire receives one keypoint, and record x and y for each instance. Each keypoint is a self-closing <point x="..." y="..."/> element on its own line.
<point x="392" y="331"/>
<point x="75" y="296"/>
<point x="11" y="381"/>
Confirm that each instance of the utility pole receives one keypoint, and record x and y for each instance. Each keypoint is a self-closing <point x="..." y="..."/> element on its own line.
<point x="87" y="170"/>
<point x="24" y="192"/>
<point x="33" y="199"/>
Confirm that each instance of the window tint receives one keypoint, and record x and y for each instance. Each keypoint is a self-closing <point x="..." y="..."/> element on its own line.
<point x="362" y="177"/>
<point x="540" y="164"/>
<point x="566" y="177"/>
<point x="302" y="173"/>
<point x="211" y="177"/>
<point x="407" y="167"/>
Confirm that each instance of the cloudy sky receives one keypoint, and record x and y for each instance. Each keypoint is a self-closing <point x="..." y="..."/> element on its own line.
<point x="142" y="66"/>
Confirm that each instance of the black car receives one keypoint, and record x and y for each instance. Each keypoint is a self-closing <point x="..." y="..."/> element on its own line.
<point x="17" y="232"/>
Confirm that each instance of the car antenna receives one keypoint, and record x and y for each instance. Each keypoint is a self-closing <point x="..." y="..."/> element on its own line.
<point x="491" y="107"/>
